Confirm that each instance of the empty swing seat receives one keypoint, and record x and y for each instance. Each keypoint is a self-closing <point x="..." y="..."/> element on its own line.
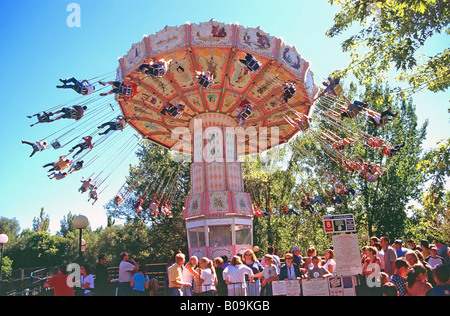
<point x="55" y="144"/>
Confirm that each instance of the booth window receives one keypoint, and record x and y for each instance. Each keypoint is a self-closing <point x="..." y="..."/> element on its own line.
<point x="220" y="236"/>
<point x="197" y="237"/>
<point x="243" y="235"/>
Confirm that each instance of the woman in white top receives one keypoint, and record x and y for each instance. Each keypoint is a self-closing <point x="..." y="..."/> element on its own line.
<point x="87" y="281"/>
<point x="234" y="277"/>
<point x="330" y="263"/>
<point x="207" y="279"/>
<point x="188" y="274"/>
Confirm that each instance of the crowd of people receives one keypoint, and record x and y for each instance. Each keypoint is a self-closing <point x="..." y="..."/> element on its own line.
<point x="396" y="270"/>
<point x="393" y="269"/>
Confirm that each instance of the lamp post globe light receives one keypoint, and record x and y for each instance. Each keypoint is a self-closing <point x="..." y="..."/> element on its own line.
<point x="80" y="222"/>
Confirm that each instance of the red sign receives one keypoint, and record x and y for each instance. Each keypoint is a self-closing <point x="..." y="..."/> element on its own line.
<point x="328" y="226"/>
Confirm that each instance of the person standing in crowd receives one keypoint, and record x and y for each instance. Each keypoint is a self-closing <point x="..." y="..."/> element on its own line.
<point x="373" y="240"/>
<point x="371" y="270"/>
<point x="221" y="285"/>
<point x="60" y="283"/>
<point x="389" y="256"/>
<point x="298" y="260"/>
<point x="127" y="268"/>
<point x="398" y="278"/>
<point x="226" y="263"/>
<point x="249" y="259"/>
<point x="380" y="254"/>
<point x="413" y="258"/>
<point x="269" y="274"/>
<point x="443" y="251"/>
<point x="189" y="272"/>
<point x="317" y="271"/>
<point x="87" y="280"/>
<point x="175" y="276"/>
<point x="417" y="283"/>
<point x="426" y="266"/>
<point x="102" y="277"/>
<point x="412" y="245"/>
<point x="399" y="249"/>
<point x="140" y="281"/>
<point x="433" y="259"/>
<point x="330" y="262"/>
<point x="441" y="275"/>
<point x="207" y="279"/>
<point x="276" y="259"/>
<point x="234" y="276"/>
<point x="289" y="271"/>
<point x="424" y="245"/>
<point x="389" y="289"/>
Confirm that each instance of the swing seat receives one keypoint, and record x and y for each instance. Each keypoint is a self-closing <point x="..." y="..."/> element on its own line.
<point x="173" y="110"/>
<point x="289" y="91"/>
<point x="127" y="90"/>
<point x="251" y="63"/>
<point x="246" y="112"/>
<point x="337" y="89"/>
<point x="303" y="125"/>
<point x="157" y="69"/>
<point x="204" y="81"/>
<point x="258" y="212"/>
<point x="55" y="144"/>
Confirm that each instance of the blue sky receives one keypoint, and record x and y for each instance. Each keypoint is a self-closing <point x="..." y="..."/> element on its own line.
<point x="38" y="48"/>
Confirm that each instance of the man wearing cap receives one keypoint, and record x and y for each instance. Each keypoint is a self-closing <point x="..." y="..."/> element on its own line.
<point x="297" y="257"/>
<point x="433" y="259"/>
<point x="399" y="249"/>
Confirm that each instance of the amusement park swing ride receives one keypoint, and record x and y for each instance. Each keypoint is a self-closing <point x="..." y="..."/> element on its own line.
<point x="216" y="92"/>
<point x="216" y="81"/>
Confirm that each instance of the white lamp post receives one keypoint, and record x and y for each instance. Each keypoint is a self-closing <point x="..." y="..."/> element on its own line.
<point x="80" y="222"/>
<point x="3" y="240"/>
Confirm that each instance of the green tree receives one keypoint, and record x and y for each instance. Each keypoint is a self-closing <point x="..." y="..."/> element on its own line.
<point x="38" y="249"/>
<point x="42" y="223"/>
<point x="66" y="224"/>
<point x="10" y="227"/>
<point x="435" y="215"/>
<point x="391" y="35"/>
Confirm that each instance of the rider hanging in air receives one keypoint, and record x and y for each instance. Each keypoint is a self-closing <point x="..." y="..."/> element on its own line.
<point x="83" y="87"/>
<point x="117" y="125"/>
<point x="82" y="146"/>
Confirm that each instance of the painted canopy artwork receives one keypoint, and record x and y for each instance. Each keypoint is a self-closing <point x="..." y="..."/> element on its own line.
<point x="217" y="48"/>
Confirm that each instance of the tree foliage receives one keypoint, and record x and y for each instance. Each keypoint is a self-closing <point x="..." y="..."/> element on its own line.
<point x="435" y="215"/>
<point x="391" y="35"/>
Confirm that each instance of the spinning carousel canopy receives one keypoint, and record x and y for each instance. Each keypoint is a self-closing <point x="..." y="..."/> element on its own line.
<point x="217" y="48"/>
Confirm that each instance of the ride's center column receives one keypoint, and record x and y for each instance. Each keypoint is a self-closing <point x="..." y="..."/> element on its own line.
<point x="218" y="213"/>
